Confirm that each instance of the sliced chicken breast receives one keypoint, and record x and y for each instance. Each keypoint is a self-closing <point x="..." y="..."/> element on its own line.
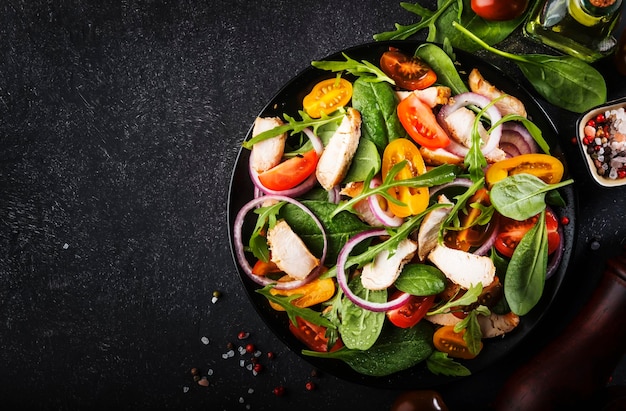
<point x="465" y="269"/>
<point x="289" y="252"/>
<point x="431" y="96"/>
<point x="507" y="105"/>
<point x="385" y="269"/>
<point x="428" y="234"/>
<point x="267" y="153"/>
<point x="337" y="156"/>
<point x="496" y="325"/>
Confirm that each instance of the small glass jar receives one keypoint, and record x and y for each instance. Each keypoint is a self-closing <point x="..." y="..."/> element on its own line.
<point x="581" y="28"/>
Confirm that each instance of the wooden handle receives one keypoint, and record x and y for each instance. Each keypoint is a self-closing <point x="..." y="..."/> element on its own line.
<point x="577" y="364"/>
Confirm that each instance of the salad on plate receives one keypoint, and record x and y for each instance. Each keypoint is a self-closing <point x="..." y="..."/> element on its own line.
<point x="406" y="214"/>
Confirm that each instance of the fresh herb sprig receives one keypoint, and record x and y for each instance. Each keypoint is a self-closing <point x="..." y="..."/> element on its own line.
<point x="295" y="126"/>
<point x="363" y="69"/>
<point x="439" y="175"/>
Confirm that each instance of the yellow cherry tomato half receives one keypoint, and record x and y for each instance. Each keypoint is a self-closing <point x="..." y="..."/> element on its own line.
<point x="327" y="96"/>
<point x="415" y="199"/>
<point x="315" y="292"/>
<point x="544" y="166"/>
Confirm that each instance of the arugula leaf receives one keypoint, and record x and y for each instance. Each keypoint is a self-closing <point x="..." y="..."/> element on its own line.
<point x="295" y="126"/>
<point x="293" y="311"/>
<point x="470" y="297"/>
<point x="473" y="334"/>
<point x="439" y="175"/>
<point x="526" y="273"/>
<point x="440" y="364"/>
<point x="521" y="196"/>
<point x="428" y="19"/>
<point x="364" y="69"/>
<point x="452" y="221"/>
<point x="475" y="160"/>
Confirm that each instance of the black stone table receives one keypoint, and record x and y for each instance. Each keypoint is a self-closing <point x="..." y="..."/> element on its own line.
<point x="120" y="123"/>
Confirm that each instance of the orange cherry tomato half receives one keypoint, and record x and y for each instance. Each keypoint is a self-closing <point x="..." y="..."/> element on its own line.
<point x="419" y="121"/>
<point x="544" y="166"/>
<point x="452" y="343"/>
<point x="499" y="10"/>
<point x="312" y="335"/>
<point x="512" y="231"/>
<point x="290" y="172"/>
<point x="315" y="292"/>
<point x="412" y="312"/>
<point x="327" y="96"/>
<point x="474" y="234"/>
<point x="415" y="199"/>
<point x="409" y="72"/>
<point x="264" y="268"/>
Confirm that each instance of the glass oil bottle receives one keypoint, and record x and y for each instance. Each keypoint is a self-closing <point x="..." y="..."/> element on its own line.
<point x="581" y="28"/>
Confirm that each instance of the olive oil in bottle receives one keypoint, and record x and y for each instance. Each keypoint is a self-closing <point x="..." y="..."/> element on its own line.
<point x="581" y="28"/>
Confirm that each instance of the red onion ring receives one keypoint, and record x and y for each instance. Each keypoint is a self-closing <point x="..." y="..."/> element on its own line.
<point x="240" y="253"/>
<point x="557" y="256"/>
<point x="515" y="134"/>
<point x="488" y="243"/>
<point x="466" y="99"/>
<point x="342" y="278"/>
<point x="459" y="182"/>
<point x="383" y="216"/>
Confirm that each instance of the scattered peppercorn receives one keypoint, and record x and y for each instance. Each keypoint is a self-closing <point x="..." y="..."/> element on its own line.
<point x="257" y="367"/>
<point x="250" y="347"/>
<point x="243" y="335"/>
<point x="230" y="345"/>
<point x="310" y="386"/>
<point x="564" y="220"/>
<point x="270" y="355"/>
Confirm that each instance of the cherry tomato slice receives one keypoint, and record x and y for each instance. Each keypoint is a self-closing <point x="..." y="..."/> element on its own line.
<point x="327" y="96"/>
<point x="544" y="166"/>
<point x="452" y="343"/>
<point x="415" y="199"/>
<point x="312" y="335"/>
<point x="499" y="10"/>
<point x="420" y="122"/>
<point x="412" y="312"/>
<point x="512" y="231"/>
<point x="314" y="292"/>
<point x="290" y="172"/>
<point x="409" y="72"/>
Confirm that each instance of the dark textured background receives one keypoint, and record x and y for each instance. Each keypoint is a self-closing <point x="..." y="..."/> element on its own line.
<point x="120" y="123"/>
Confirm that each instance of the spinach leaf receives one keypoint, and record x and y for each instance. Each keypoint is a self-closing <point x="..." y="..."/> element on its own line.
<point x="366" y="159"/>
<point x="565" y="81"/>
<point x="338" y="229"/>
<point x="293" y="311"/>
<point x="521" y="196"/>
<point x="397" y="349"/>
<point x="377" y="104"/>
<point x="421" y="279"/>
<point x="440" y="364"/>
<point x="526" y="273"/>
<point x="360" y="328"/>
<point x="443" y="65"/>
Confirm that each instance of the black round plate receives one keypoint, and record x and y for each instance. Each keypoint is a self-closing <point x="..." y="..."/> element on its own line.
<point x="289" y="100"/>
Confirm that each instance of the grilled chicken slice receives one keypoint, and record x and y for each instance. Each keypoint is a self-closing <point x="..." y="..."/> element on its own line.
<point x="288" y="251"/>
<point x="428" y="234"/>
<point x="459" y="125"/>
<point x="385" y="269"/>
<point x="443" y="319"/>
<point x="337" y="155"/>
<point x="507" y="105"/>
<point x="496" y="324"/>
<point x="465" y="269"/>
<point x="267" y="153"/>
<point x="440" y="156"/>
<point x="431" y="96"/>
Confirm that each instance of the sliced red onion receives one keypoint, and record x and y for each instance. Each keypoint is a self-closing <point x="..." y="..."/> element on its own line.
<point x="383" y="216"/>
<point x="514" y="133"/>
<point x="342" y="278"/>
<point x="485" y="247"/>
<point x="510" y="149"/>
<point x="240" y="253"/>
<point x="458" y="182"/>
<point x="478" y="100"/>
<point x="334" y="195"/>
<point x="557" y="256"/>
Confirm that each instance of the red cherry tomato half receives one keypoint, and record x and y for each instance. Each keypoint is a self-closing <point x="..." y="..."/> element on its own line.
<point x="512" y="232"/>
<point x="412" y="312"/>
<point x="312" y="335"/>
<point x="420" y="122"/>
<point x="291" y="172"/>
<point x="409" y="72"/>
<point x="499" y="10"/>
